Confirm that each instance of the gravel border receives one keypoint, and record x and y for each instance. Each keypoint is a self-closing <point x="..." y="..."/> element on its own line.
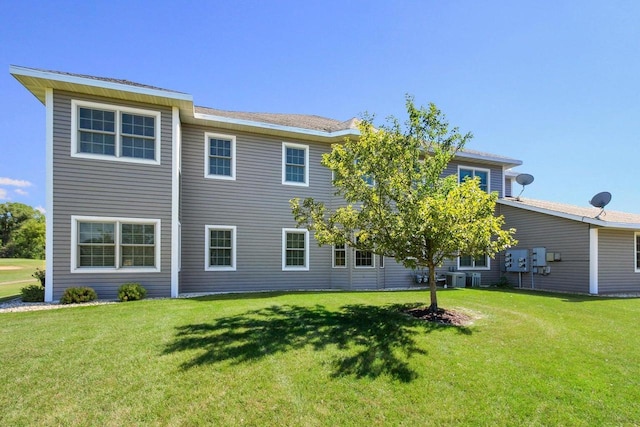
<point x="16" y="305"/>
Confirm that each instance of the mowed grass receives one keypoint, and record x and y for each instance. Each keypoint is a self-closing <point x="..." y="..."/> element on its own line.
<point x="15" y="274"/>
<point x="325" y="359"/>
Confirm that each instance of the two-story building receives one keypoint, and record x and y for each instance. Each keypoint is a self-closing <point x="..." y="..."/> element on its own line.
<point x="144" y="186"/>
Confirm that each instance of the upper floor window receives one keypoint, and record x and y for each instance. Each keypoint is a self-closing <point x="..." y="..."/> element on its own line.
<point x="295" y="164"/>
<point x="220" y="156"/>
<point x="477" y="263"/>
<point x="481" y="174"/>
<point x="221" y="248"/>
<point x="117" y="133"/>
<point x="115" y="244"/>
<point x="295" y="249"/>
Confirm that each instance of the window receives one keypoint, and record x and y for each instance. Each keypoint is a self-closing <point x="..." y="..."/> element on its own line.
<point x="220" y="156"/>
<point x="364" y="259"/>
<point x="339" y="256"/>
<point x="115" y="244"/>
<point x="381" y="260"/>
<point x="118" y="133"/>
<point x="637" y="252"/>
<point x="295" y="160"/>
<point x="295" y="252"/>
<point x="221" y="248"/>
<point x="469" y="262"/>
<point x="482" y="174"/>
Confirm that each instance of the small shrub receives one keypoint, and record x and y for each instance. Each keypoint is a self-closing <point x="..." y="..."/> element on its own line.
<point x="40" y="275"/>
<point x="32" y="293"/>
<point x="78" y="295"/>
<point x="503" y="283"/>
<point x="131" y="292"/>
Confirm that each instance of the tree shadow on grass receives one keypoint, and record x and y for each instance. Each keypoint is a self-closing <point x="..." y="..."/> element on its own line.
<point x="372" y="340"/>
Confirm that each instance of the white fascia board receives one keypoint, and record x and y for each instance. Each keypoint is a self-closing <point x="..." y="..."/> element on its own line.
<point x="579" y="218"/>
<point x="16" y="70"/>
<point x="281" y="128"/>
<point x="489" y="158"/>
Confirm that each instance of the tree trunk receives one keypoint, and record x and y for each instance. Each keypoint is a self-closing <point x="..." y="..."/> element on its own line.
<point x="433" y="308"/>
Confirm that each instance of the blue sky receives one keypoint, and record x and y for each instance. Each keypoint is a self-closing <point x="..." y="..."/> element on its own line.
<point x="555" y="84"/>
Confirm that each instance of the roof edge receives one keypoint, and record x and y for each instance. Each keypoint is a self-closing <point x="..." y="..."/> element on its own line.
<point x="16" y="70"/>
<point x="578" y="218"/>
<point x="276" y="127"/>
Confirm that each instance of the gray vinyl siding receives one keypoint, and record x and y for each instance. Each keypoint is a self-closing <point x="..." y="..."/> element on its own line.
<point x="569" y="238"/>
<point x="257" y="203"/>
<point x="616" y="262"/>
<point x="105" y="188"/>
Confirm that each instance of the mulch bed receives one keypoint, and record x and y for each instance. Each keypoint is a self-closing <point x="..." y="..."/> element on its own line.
<point x="442" y="316"/>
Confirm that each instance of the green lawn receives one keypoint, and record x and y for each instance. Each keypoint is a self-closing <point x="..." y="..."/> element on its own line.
<point x="15" y="274"/>
<point x="325" y="359"/>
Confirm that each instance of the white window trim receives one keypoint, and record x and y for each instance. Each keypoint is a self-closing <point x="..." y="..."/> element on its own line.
<point x="373" y="260"/>
<point x="75" y="268"/>
<point x="207" y="247"/>
<point x="474" y="168"/>
<point x="304" y="231"/>
<point x="304" y="147"/>
<point x="635" y="252"/>
<point x="232" y="138"/>
<point x="333" y="257"/>
<point x="76" y="104"/>
<point x="465" y="268"/>
<point x="381" y="261"/>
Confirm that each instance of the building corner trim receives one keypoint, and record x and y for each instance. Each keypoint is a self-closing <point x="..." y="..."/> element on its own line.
<point x="48" y="288"/>
<point x="175" y="201"/>
<point x="593" y="261"/>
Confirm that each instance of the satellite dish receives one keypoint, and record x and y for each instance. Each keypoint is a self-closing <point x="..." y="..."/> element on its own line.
<point x="600" y="200"/>
<point x="523" y="179"/>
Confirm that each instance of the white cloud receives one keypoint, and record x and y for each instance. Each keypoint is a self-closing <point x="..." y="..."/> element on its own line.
<point x="41" y="209"/>
<point x="3" y="193"/>
<point x="15" y="182"/>
<point x="21" y="192"/>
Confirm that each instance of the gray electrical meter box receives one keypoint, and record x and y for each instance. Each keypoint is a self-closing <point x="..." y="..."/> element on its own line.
<point x="517" y="261"/>
<point x="539" y="257"/>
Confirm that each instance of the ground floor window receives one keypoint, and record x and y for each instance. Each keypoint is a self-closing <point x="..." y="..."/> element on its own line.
<point x="339" y="256"/>
<point x="115" y="244"/>
<point x="637" y="252"/>
<point x="470" y="262"/>
<point x="295" y="249"/>
<point x="221" y="248"/>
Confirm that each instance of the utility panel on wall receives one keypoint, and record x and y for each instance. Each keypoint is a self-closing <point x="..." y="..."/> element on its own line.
<point x="539" y="257"/>
<point x="516" y="260"/>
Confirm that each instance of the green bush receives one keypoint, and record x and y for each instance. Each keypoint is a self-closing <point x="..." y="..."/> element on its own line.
<point x="503" y="283"/>
<point x="32" y="293"/>
<point x="131" y="292"/>
<point x="40" y="275"/>
<point x="78" y="295"/>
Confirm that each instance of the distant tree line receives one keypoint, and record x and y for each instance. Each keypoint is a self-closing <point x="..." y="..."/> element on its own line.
<point x="22" y="231"/>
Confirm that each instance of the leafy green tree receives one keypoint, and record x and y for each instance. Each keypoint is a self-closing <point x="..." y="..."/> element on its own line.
<point x="29" y="239"/>
<point x="397" y="202"/>
<point x="21" y="231"/>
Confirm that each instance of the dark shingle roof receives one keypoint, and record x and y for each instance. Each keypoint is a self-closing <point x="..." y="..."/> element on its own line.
<point x="103" y="79"/>
<point x="303" y="121"/>
<point x="579" y="211"/>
